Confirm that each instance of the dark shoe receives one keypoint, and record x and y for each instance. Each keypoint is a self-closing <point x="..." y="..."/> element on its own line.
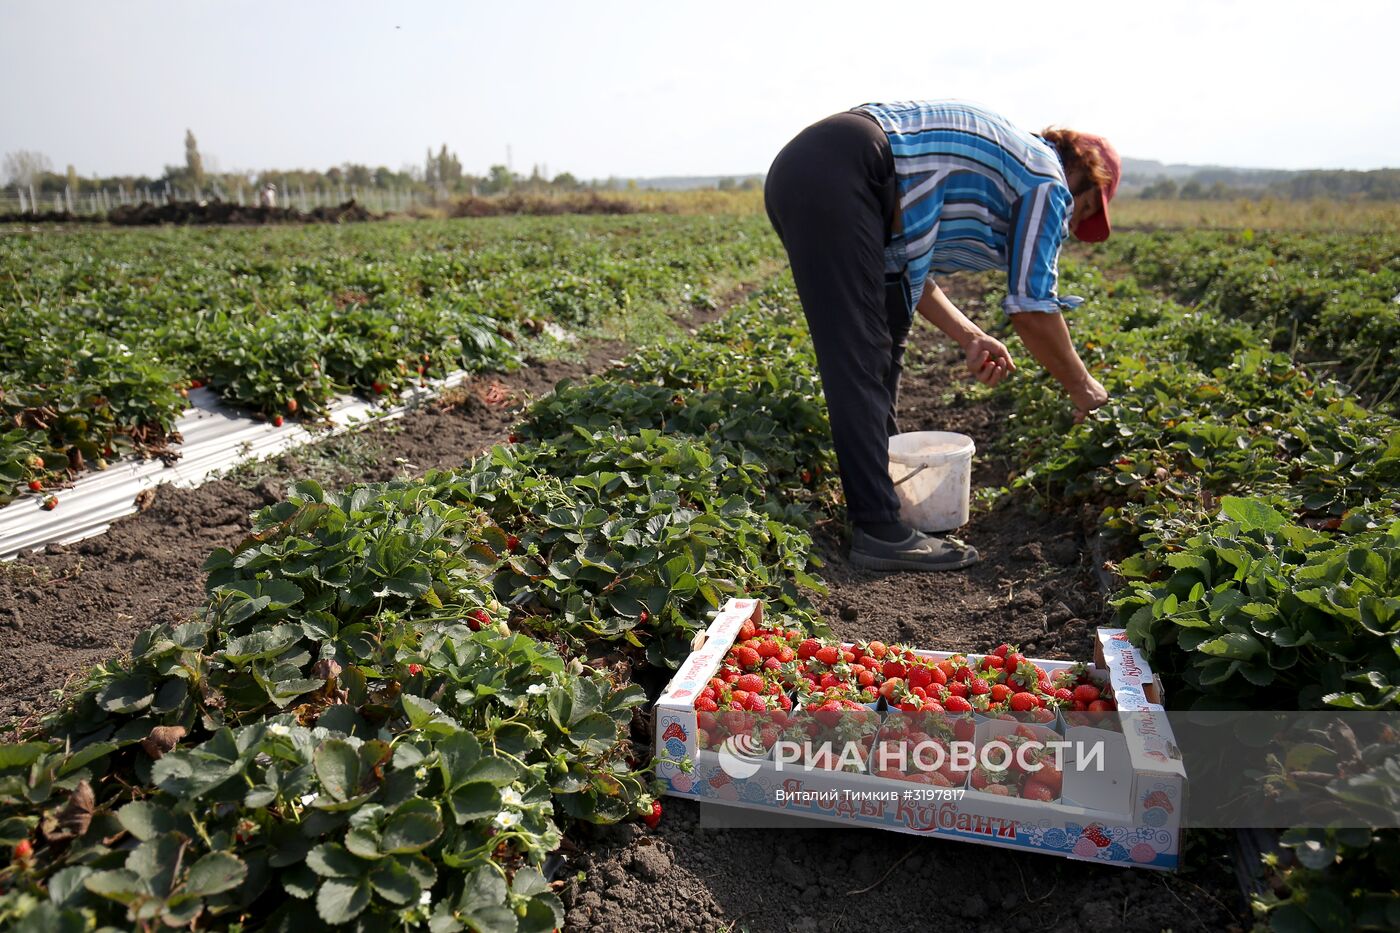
<point x="917" y="552"/>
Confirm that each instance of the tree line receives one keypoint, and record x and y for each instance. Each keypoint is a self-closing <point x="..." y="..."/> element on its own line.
<point x="1338" y="184"/>
<point x="441" y="174"/>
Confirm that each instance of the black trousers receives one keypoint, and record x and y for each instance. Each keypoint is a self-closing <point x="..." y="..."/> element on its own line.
<point x="831" y="195"/>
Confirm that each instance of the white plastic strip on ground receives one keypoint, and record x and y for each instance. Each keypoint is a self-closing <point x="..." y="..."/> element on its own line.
<point x="216" y="438"/>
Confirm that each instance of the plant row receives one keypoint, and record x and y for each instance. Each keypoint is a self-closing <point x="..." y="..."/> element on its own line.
<point x="1252" y="510"/>
<point x="102" y="334"/>
<point x="1327" y="300"/>
<point x="385" y="713"/>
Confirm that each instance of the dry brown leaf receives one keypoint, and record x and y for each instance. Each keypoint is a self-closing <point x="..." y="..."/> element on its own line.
<point x="74" y="817"/>
<point x="162" y="739"/>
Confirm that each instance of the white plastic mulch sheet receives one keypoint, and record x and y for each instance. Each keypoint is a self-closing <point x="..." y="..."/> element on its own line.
<point x="216" y="438"/>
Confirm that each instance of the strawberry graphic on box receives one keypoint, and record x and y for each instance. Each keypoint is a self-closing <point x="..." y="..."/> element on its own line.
<point x="719" y="779"/>
<point x="1158" y="799"/>
<point x="673" y="731"/>
<point x="1097" y="836"/>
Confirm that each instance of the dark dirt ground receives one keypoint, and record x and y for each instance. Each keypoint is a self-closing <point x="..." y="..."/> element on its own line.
<point x="62" y="611"/>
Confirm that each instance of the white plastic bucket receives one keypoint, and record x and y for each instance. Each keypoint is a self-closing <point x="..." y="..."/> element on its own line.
<point x="932" y="473"/>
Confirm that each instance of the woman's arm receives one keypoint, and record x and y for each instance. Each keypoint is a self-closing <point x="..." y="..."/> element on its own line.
<point x="987" y="358"/>
<point x="1046" y="336"/>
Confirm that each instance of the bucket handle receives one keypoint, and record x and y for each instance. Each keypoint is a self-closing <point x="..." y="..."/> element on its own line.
<point x="916" y="471"/>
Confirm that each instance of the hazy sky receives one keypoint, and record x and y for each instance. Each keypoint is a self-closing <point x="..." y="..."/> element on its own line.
<point x="658" y="88"/>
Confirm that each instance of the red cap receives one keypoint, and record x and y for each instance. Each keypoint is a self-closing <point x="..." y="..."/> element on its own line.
<point x="1096" y="228"/>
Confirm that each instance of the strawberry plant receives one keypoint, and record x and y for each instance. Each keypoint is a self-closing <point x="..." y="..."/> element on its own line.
<point x="1258" y="606"/>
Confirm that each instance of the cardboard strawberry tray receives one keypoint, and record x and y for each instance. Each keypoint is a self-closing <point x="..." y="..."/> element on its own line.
<point x="1050" y="756"/>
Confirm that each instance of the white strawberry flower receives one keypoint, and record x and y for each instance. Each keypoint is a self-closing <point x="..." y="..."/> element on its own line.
<point x="511" y="797"/>
<point x="507" y="819"/>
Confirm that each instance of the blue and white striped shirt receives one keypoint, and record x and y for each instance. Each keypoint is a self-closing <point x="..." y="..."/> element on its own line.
<point x="975" y="193"/>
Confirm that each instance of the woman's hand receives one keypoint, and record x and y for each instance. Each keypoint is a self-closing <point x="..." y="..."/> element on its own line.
<point x="988" y="361"/>
<point x="1086" y="394"/>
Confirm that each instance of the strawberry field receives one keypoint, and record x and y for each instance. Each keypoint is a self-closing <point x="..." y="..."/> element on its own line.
<point x="424" y="702"/>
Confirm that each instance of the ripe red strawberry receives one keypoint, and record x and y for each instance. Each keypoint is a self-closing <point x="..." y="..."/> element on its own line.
<point x="706" y="705"/>
<point x="747" y="658"/>
<point x="829" y="655"/>
<point x="957" y="704"/>
<point x="1000" y="692"/>
<point x="808" y="648"/>
<point x="512" y="438"/>
<point x="50" y="503"/>
<point x="772" y="664"/>
<point x="23" y="850"/>
<point x="1000" y="790"/>
<point x="1001" y="650"/>
<point x="277" y="421"/>
<point x="785" y="655"/>
<point x="643" y="616"/>
<point x="414" y="670"/>
<point x="958" y="689"/>
<point x="1064" y="695"/>
<point x="378" y="387"/>
<point x="893" y="669"/>
<point x="1022" y="702"/>
<point x="1049" y="775"/>
<point x="196" y="383"/>
<point x="1043" y="714"/>
<point x="806" y="477"/>
<point x="920" y="677"/>
<point x="747" y="630"/>
<point x="35" y="485"/>
<point x="978" y="687"/>
<point x="768" y="648"/>
<point x="1086" y="693"/>
<point x="291" y="406"/>
<point x="477" y="618"/>
<point x="750" y="682"/>
<point x="1102" y="706"/>
<point x="982" y="778"/>
<point x="876" y="649"/>
<point x="512" y="542"/>
<point x="1035" y="790"/>
<point x="653" y="818"/>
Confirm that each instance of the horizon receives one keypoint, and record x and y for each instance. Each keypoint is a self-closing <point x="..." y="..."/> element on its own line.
<point x="632" y="91"/>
